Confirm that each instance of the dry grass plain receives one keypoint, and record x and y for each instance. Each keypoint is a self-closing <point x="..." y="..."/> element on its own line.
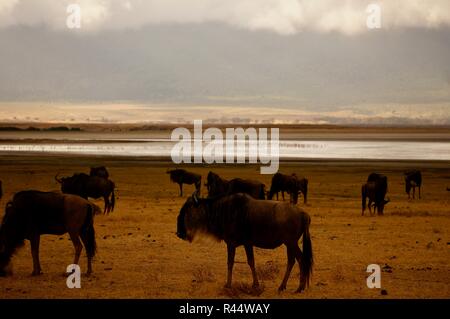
<point x="139" y="255"/>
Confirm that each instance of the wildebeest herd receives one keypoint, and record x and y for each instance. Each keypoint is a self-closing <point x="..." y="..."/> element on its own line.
<point x="95" y="185"/>
<point x="240" y="212"/>
<point x="33" y="213"/>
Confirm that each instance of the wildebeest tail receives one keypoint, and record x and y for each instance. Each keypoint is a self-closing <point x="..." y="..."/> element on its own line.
<point x="307" y="260"/>
<point x="305" y="191"/>
<point x="363" y="197"/>
<point x="113" y="198"/>
<point x="89" y="232"/>
<point x="384" y="185"/>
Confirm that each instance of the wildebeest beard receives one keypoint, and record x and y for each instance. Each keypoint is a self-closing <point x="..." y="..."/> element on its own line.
<point x="194" y="212"/>
<point x="213" y="216"/>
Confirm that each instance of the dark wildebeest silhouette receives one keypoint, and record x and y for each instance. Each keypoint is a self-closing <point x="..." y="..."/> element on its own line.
<point x="33" y="213"/>
<point x="239" y="219"/>
<point x="375" y="190"/>
<point x="290" y="184"/>
<point x="413" y="179"/>
<point x="99" y="171"/>
<point x="90" y="186"/>
<point x="1" y="190"/>
<point x="218" y="186"/>
<point x="181" y="176"/>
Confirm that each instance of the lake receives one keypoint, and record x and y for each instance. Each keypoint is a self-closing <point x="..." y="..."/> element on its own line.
<point x="290" y="149"/>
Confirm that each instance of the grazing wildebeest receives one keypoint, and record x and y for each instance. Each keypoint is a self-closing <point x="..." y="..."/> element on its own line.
<point x="291" y="184"/>
<point x="89" y="186"/>
<point x="239" y="219"/>
<point x="181" y="176"/>
<point x="33" y="213"/>
<point x="99" y="171"/>
<point x="218" y="186"/>
<point x="375" y="189"/>
<point x="413" y="179"/>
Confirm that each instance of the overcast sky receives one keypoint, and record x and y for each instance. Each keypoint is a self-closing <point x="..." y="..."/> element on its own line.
<point x="311" y="56"/>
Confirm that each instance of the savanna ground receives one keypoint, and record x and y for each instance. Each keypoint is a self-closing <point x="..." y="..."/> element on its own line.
<point x="139" y="255"/>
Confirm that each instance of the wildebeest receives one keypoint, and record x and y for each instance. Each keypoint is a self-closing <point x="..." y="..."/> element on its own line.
<point x="240" y="219"/>
<point x="291" y="184"/>
<point x="413" y="179"/>
<point x="181" y="176"/>
<point x="99" y="171"/>
<point x="89" y="186"/>
<point x="218" y="186"/>
<point x="375" y="190"/>
<point x="31" y="214"/>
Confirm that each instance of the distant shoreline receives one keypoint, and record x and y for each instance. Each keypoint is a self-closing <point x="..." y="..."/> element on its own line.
<point x="119" y="161"/>
<point x="121" y="127"/>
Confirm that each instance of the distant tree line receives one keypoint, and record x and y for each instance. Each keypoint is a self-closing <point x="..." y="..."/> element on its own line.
<point x="36" y="129"/>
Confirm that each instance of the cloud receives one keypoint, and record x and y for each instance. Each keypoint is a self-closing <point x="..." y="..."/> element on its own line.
<point x="281" y="16"/>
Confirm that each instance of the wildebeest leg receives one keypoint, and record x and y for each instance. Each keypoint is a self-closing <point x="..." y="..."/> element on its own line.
<point x="419" y="192"/>
<point x="198" y="187"/>
<point x="78" y="247"/>
<point x="35" y="239"/>
<point x="302" y="279"/>
<point x="414" y="192"/>
<point x="251" y="263"/>
<point x="282" y="195"/>
<point x="231" y="252"/>
<point x="181" y="189"/>
<point x="85" y="241"/>
<point x="290" y="263"/>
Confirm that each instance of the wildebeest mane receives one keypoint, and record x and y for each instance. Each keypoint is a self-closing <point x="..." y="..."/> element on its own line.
<point x="227" y="214"/>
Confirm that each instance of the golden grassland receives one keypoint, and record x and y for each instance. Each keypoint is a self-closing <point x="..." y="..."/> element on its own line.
<point x="139" y="255"/>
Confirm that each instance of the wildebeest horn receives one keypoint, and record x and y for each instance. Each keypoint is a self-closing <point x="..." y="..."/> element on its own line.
<point x="58" y="180"/>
